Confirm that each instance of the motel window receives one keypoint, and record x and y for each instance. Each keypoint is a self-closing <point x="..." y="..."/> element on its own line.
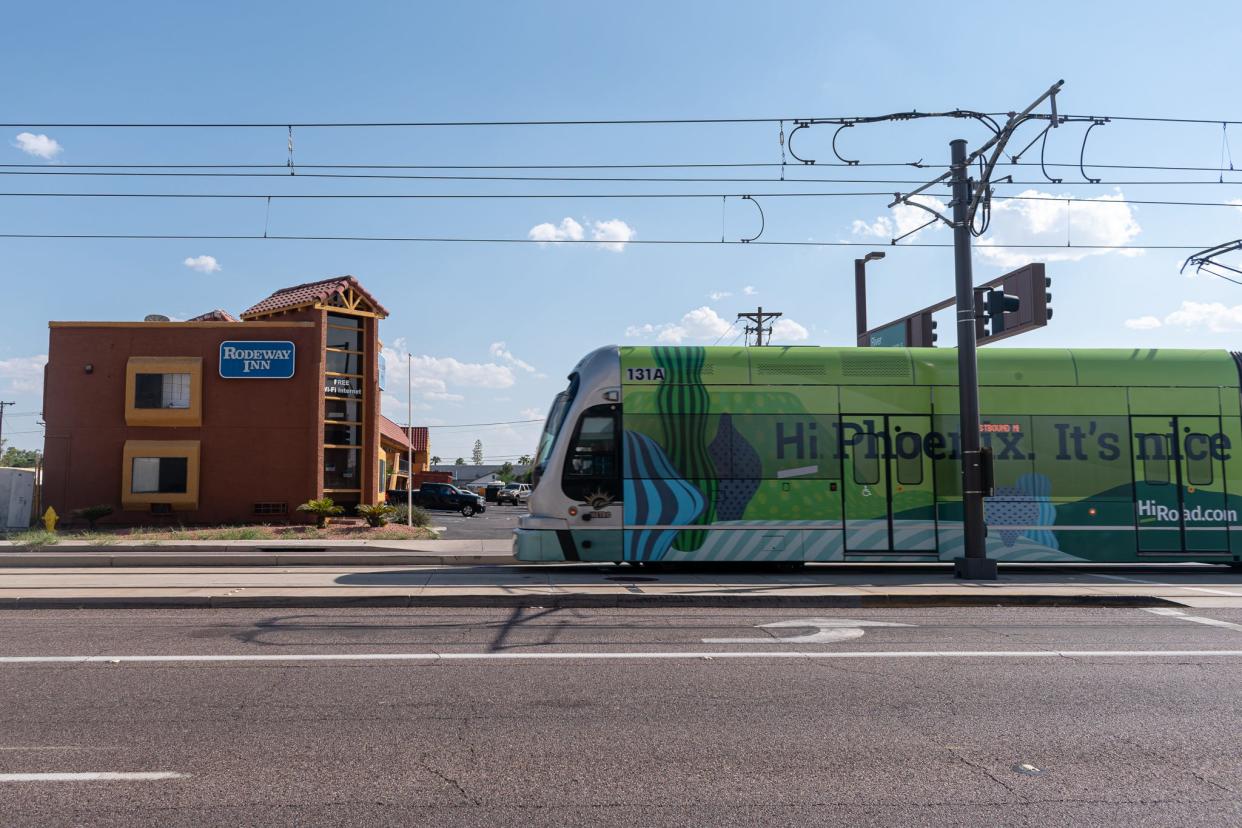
<point x="341" y="468"/>
<point x="342" y="435"/>
<point x="342" y="321"/>
<point x="162" y="475"/>
<point x="162" y="391"/>
<point x="347" y="411"/>
<point x="350" y="387"/>
<point x="340" y="362"/>
<point x="344" y="340"/>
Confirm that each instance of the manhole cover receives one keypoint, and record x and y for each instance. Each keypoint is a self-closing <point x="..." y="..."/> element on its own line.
<point x="1028" y="769"/>
<point x="629" y="578"/>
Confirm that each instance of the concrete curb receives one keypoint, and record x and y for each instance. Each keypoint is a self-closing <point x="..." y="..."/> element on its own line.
<point x="582" y="601"/>
<point x="223" y="558"/>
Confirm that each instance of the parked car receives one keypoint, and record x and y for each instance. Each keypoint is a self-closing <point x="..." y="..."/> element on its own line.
<point x="442" y="496"/>
<point x="515" y="493"/>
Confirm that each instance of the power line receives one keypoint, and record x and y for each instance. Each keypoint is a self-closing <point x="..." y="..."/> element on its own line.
<point x="478" y="425"/>
<point x="793" y="120"/>
<point x="646" y="166"/>
<point x="629" y="179"/>
<point x="519" y="196"/>
<point x="466" y="240"/>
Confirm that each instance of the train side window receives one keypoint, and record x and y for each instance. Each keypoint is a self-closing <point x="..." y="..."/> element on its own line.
<point x="592" y="466"/>
<point x="1154" y="452"/>
<point x="1198" y="461"/>
<point x="866" y="457"/>
<point x="910" y="470"/>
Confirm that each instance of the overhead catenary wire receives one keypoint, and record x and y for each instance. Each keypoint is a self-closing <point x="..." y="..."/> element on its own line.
<point x="1107" y="199"/>
<point x="500" y="240"/>
<point x="855" y="120"/>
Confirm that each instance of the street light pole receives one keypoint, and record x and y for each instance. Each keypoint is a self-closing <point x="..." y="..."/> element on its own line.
<point x="860" y="293"/>
<point x="409" y="440"/>
<point x="974" y="563"/>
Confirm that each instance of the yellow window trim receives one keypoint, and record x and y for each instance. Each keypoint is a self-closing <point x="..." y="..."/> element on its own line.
<point x="344" y="490"/>
<point x="344" y="351"/>
<point x="346" y="399"/>
<point x="343" y="422"/>
<point x="141" y="501"/>
<point x="339" y="374"/>
<point x="171" y="417"/>
<point x="341" y="446"/>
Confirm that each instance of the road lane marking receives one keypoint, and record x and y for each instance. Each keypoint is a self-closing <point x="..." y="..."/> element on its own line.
<point x="827" y="630"/>
<point x="95" y="776"/>
<point x="1198" y="619"/>
<point x="633" y="656"/>
<point x="1159" y="584"/>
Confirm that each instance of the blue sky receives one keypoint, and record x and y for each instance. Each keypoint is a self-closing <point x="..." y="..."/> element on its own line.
<point x="453" y="304"/>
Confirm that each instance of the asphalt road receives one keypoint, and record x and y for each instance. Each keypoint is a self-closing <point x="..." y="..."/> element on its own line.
<point x="576" y="717"/>
<point x="496" y="522"/>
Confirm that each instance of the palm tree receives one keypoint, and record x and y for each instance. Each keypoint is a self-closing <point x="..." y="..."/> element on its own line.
<point x="435" y="461"/>
<point x="524" y="460"/>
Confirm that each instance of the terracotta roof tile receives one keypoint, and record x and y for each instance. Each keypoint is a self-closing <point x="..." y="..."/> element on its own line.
<point x="309" y="293"/>
<point x="396" y="434"/>
<point x="216" y="315"/>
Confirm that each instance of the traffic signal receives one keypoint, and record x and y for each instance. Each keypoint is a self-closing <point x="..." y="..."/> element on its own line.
<point x="1047" y="297"/>
<point x="997" y="304"/>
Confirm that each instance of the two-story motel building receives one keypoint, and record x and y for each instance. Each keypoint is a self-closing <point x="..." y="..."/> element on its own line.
<point x="224" y="420"/>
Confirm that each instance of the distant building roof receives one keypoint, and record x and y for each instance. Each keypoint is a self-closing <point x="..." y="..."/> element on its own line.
<point x="216" y="315"/>
<point x="325" y="291"/>
<point x="470" y="473"/>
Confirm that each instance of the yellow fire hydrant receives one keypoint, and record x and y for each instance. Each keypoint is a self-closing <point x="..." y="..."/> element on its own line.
<point x="49" y="519"/>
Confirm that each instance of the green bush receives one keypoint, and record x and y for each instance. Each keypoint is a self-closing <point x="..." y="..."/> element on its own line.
<point x="322" y="508"/>
<point x="421" y="518"/>
<point x="92" y="514"/>
<point x="376" y="514"/>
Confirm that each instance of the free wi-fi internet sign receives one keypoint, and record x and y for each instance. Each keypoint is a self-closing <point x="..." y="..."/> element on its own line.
<point x="256" y="359"/>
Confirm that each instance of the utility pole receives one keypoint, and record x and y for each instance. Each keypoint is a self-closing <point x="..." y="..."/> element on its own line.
<point x="860" y="294"/>
<point x="759" y="329"/>
<point x="975" y="562"/>
<point x="968" y="197"/>
<point x="2" y="406"/>
<point x="409" y="440"/>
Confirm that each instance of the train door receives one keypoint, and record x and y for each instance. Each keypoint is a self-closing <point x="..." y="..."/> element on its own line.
<point x="1179" y="492"/>
<point x="889" y="496"/>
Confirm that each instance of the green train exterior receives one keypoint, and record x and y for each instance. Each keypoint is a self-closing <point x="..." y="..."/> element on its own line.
<point x="849" y="454"/>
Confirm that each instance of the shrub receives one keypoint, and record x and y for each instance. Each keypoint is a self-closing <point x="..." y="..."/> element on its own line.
<point x="421" y="518"/>
<point x="376" y="514"/>
<point x="92" y="514"/>
<point x="322" y="508"/>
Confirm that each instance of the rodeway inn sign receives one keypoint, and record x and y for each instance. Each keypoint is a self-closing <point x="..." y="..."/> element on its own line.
<point x="253" y="359"/>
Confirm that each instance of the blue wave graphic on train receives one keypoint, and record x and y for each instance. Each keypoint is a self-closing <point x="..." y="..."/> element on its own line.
<point x="655" y="494"/>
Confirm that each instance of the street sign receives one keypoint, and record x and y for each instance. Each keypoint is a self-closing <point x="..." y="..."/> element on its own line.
<point x="890" y="336"/>
<point x="256" y="359"/>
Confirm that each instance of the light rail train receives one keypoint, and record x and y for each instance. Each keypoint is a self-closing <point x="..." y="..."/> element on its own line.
<point x="678" y="454"/>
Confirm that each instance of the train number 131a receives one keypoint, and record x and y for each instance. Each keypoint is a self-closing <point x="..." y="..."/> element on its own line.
<point x="641" y="374"/>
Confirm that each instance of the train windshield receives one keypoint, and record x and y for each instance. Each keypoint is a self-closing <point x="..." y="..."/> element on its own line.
<point x="552" y="427"/>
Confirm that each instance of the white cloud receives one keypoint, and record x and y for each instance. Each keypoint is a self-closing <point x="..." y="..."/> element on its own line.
<point x="904" y="219"/>
<point x="717" y="295"/>
<point x="1104" y="220"/>
<point x="40" y="145"/>
<point x="749" y="290"/>
<point x="567" y="230"/>
<point x="203" y="264"/>
<point x="1143" y="323"/>
<point x="787" y="330"/>
<point x="455" y="372"/>
<point x="23" y="373"/>
<point x="499" y="350"/>
<point x="532" y="413"/>
<point x="705" y="325"/>
<point x="614" y="231"/>
<point x="443" y="396"/>
<point x="1212" y="317"/>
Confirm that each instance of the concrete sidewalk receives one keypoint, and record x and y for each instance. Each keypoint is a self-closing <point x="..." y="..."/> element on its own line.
<point x="590" y="585"/>
<point x="259" y="553"/>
